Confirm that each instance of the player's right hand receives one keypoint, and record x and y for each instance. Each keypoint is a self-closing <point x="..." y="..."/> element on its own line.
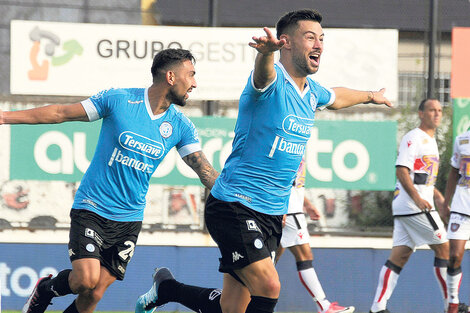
<point x="267" y="44"/>
<point x="423" y="205"/>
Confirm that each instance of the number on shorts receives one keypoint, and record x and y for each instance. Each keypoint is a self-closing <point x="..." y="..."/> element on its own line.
<point x="127" y="254"/>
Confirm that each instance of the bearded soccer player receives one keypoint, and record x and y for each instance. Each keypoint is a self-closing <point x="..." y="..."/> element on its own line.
<point x="277" y="109"/>
<point x="140" y="126"/>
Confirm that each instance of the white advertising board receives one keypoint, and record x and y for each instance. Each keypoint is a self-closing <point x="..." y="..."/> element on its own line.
<point x="50" y="58"/>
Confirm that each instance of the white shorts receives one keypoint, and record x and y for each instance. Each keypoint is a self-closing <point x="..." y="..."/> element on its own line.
<point x="459" y="227"/>
<point x="295" y="231"/>
<point x="416" y="230"/>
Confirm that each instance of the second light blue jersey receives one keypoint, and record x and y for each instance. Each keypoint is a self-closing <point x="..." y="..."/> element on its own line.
<point x="132" y="143"/>
<point x="271" y="133"/>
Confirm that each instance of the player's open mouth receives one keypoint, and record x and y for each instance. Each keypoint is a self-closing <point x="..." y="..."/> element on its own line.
<point x="315" y="58"/>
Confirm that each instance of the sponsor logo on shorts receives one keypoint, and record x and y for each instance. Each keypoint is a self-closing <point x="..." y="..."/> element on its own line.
<point x="258" y="243"/>
<point x="90" y="247"/>
<point x="454" y="227"/>
<point x="90" y="233"/>
<point x="251" y="224"/>
<point x="236" y="256"/>
<point x="121" y="269"/>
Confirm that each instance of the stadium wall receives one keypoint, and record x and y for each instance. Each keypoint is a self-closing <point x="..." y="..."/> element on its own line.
<point x="348" y="276"/>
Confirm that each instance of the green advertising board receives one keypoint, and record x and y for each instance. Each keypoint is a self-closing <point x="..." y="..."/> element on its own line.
<point x="340" y="154"/>
<point x="52" y="152"/>
<point x="461" y="115"/>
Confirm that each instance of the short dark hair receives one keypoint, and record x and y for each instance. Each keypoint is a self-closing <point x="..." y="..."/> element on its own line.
<point x="423" y="102"/>
<point x="168" y="57"/>
<point x="290" y="19"/>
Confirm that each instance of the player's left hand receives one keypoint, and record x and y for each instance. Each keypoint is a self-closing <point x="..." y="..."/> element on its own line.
<point x="379" y="98"/>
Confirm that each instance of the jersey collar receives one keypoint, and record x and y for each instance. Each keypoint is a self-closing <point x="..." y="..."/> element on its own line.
<point x="291" y="81"/>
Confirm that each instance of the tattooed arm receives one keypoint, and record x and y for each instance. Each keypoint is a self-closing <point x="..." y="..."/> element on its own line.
<point x="198" y="162"/>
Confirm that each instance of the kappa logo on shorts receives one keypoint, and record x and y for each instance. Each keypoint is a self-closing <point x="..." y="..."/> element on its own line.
<point x="454" y="227"/>
<point x="71" y="252"/>
<point x="236" y="256"/>
<point x="252" y="225"/>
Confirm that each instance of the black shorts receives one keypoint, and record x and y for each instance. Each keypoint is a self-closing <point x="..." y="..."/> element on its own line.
<point x="243" y="235"/>
<point x="93" y="236"/>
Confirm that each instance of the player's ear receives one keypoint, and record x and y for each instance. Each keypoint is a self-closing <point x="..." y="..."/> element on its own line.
<point x="287" y="39"/>
<point x="170" y="77"/>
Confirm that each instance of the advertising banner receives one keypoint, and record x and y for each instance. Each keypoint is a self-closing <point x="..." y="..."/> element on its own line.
<point x="22" y="264"/>
<point x="460" y="79"/>
<point x="461" y="115"/>
<point x="460" y="62"/>
<point x="340" y="154"/>
<point x="76" y="59"/>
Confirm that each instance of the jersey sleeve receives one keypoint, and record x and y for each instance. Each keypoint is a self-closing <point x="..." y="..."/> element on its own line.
<point x="267" y="91"/>
<point x="324" y="96"/>
<point x="407" y="152"/>
<point x="455" y="159"/>
<point x="98" y="106"/>
<point x="189" y="142"/>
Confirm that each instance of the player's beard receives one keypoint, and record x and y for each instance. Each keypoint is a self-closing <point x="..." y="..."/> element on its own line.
<point x="301" y="63"/>
<point x="176" y="99"/>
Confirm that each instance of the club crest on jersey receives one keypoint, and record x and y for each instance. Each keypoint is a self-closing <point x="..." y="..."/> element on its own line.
<point x="297" y="126"/>
<point x="141" y="145"/>
<point x="166" y="129"/>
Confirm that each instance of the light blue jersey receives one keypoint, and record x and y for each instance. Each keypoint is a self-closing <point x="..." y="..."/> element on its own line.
<point x="271" y="133"/>
<point x="132" y="143"/>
